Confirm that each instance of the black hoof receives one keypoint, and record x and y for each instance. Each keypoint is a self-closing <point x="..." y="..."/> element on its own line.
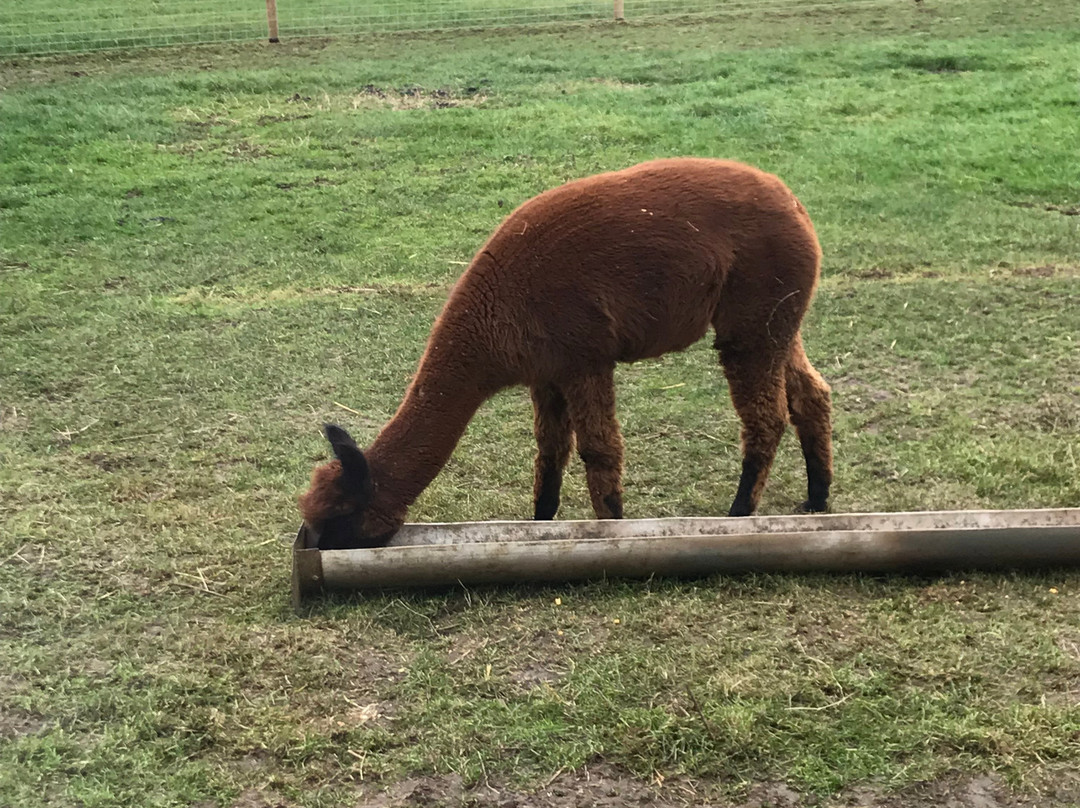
<point x="813" y="507"/>
<point x="614" y="505"/>
<point x="547" y="504"/>
<point x="740" y="510"/>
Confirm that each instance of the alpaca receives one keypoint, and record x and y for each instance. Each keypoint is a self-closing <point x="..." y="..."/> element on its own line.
<point x="611" y="268"/>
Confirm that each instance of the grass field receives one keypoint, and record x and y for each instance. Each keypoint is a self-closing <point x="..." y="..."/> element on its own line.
<point x="205" y="252"/>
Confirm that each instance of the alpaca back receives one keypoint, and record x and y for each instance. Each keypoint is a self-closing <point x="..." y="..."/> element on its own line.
<point x="627" y="265"/>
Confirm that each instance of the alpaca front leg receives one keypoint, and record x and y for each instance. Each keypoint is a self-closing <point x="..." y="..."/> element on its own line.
<point x="591" y="402"/>
<point x="603" y="472"/>
<point x="554" y="441"/>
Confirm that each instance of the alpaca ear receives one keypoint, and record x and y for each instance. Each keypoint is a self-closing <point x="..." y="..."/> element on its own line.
<point x="355" y="475"/>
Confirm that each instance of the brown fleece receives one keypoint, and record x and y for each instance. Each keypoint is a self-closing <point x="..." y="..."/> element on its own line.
<point x="614" y="268"/>
<point x="554" y="442"/>
<point x="323" y="498"/>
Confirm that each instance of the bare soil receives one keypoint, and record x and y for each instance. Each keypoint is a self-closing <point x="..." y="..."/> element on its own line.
<point x="603" y="786"/>
<point x="16" y="723"/>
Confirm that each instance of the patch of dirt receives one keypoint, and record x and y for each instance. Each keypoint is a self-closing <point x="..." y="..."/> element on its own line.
<point x="377" y="713"/>
<point x="134" y="582"/>
<point x="1035" y="272"/>
<point x="93" y="667"/>
<point x="192" y="120"/>
<point x="110" y="463"/>
<point x="463" y="647"/>
<point x="16" y="723"/>
<point x="416" y="97"/>
<point x="534" y="660"/>
<point x="265" y="120"/>
<point x="251" y="798"/>
<point x="240" y="150"/>
<point x="577" y="85"/>
<point x="949" y="592"/>
<point x="535" y="675"/>
<point x="360" y="677"/>
<point x="420" y="791"/>
<point x="1064" y="210"/>
<point x="943" y="63"/>
<point x="604" y="786"/>
<point x="1054" y="412"/>
<point x="138" y="491"/>
<point x="983" y="791"/>
<point x="594" y="787"/>
<point x="617" y="84"/>
<point x="1065" y="691"/>
<point x="246" y="150"/>
<point x="875" y="274"/>
<point x="11" y="419"/>
<point x="859" y="395"/>
<point x="1046" y="271"/>
<point x="1063" y="694"/>
<point x="772" y="795"/>
<point x="254" y="761"/>
<point x="1070" y="646"/>
<point x="318" y="182"/>
<point x="13" y="683"/>
<point x="825" y="630"/>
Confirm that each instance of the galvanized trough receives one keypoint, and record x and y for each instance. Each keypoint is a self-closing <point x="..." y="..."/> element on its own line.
<point x="431" y="555"/>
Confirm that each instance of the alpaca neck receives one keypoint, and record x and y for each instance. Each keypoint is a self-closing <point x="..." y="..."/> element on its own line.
<point x="417" y="442"/>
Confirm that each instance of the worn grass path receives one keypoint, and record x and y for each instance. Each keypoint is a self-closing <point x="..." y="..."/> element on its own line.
<point x="205" y="253"/>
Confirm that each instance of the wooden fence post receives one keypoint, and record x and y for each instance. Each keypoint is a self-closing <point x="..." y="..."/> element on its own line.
<point x="271" y="19"/>
<point x="619" y="10"/>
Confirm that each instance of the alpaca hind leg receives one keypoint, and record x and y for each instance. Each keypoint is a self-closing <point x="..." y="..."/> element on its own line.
<point x="554" y="441"/>
<point x="591" y="402"/>
<point x="809" y="407"/>
<point x="757" y="391"/>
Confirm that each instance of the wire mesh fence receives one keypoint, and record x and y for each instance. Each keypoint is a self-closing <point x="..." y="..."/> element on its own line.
<point x="57" y="26"/>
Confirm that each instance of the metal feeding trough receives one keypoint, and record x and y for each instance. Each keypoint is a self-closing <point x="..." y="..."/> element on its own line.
<point x="430" y="555"/>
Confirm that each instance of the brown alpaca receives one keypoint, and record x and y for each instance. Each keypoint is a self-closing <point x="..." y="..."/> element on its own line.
<point x="612" y="268"/>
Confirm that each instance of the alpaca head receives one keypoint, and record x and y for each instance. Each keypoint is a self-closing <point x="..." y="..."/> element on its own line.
<point x="341" y="491"/>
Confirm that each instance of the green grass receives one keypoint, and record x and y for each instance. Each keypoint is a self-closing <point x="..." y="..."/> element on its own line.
<point x="202" y="251"/>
